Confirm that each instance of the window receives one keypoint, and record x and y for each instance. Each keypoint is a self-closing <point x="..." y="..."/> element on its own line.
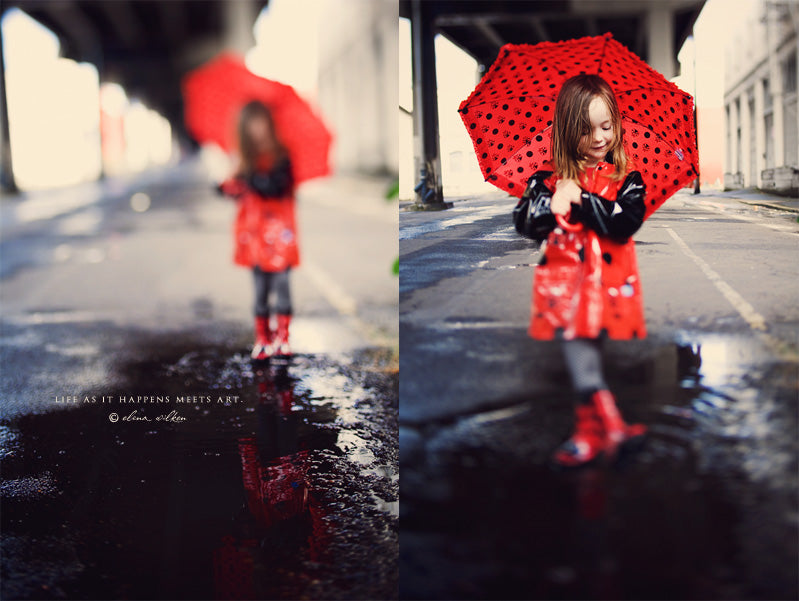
<point x="789" y="73"/>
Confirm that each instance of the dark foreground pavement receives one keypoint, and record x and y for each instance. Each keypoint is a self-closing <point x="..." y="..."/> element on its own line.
<point x="143" y="455"/>
<point x="706" y="510"/>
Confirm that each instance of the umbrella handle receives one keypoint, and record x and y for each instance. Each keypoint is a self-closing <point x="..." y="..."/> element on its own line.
<point x="569" y="227"/>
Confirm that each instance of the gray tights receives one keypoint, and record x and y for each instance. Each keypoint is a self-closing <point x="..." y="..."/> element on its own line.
<point x="277" y="283"/>
<point x="584" y="360"/>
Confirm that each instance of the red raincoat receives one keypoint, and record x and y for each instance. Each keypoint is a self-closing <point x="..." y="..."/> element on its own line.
<point x="265" y="231"/>
<point x="587" y="282"/>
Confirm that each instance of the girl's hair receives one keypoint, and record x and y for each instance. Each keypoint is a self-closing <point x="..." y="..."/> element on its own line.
<point x="571" y="122"/>
<point x="247" y="148"/>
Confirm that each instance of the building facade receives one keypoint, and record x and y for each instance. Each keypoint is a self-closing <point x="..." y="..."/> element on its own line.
<point x="760" y="100"/>
<point x="358" y="83"/>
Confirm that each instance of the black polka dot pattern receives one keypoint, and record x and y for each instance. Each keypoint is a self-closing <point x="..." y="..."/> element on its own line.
<point x="509" y="113"/>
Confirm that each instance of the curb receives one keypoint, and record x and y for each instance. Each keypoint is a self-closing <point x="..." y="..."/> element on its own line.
<point x="770" y="205"/>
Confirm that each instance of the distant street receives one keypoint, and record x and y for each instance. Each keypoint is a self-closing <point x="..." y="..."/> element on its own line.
<point x="220" y="478"/>
<point x="483" y="406"/>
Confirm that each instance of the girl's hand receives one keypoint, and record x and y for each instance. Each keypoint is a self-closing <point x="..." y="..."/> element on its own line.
<point x="566" y="192"/>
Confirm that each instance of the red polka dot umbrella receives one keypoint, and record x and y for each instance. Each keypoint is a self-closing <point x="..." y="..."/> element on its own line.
<point x="509" y="113"/>
<point x="214" y="94"/>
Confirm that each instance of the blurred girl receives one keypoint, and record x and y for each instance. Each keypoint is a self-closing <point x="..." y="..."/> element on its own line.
<point x="586" y="285"/>
<point x="265" y="229"/>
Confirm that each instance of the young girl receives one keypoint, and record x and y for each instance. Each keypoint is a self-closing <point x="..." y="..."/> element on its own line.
<point x="265" y="230"/>
<point x="586" y="285"/>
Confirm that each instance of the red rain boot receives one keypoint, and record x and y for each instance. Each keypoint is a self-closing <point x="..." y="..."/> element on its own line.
<point x="617" y="431"/>
<point x="280" y="347"/>
<point x="261" y="350"/>
<point x="587" y="442"/>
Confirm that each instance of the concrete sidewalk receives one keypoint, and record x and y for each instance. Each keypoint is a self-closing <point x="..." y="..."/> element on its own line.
<point x="753" y="197"/>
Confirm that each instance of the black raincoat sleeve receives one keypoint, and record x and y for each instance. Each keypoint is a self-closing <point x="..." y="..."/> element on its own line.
<point x="617" y="220"/>
<point x="533" y="217"/>
<point x="275" y="183"/>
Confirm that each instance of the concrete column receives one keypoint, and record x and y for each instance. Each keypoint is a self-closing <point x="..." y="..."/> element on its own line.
<point x="240" y="18"/>
<point x="776" y="84"/>
<point x="746" y="137"/>
<point x="429" y="191"/>
<point x="660" y="39"/>
<point x="734" y="125"/>
<point x="760" y="132"/>
<point x="7" y="183"/>
<point x="727" y="162"/>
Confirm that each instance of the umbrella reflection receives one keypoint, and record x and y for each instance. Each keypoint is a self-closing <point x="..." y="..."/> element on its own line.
<point x="600" y="569"/>
<point x="281" y="517"/>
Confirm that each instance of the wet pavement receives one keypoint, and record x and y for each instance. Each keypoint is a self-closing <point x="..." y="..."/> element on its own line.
<point x="199" y="476"/>
<point x="707" y="508"/>
<point x="144" y="456"/>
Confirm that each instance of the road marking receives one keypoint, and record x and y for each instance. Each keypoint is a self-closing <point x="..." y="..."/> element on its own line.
<point x="787" y="351"/>
<point x="345" y="304"/>
<point x="755" y="320"/>
<point x="330" y="289"/>
<point x="55" y="317"/>
<point x="476" y="325"/>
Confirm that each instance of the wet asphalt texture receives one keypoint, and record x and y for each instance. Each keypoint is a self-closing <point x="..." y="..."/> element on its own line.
<point x="706" y="508"/>
<point x="145" y="456"/>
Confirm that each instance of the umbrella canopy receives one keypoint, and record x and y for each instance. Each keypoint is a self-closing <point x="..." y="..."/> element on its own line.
<point x="215" y="93"/>
<point x="509" y="113"/>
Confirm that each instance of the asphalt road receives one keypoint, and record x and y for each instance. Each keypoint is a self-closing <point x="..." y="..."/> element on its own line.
<point x="482" y="407"/>
<point x="143" y="456"/>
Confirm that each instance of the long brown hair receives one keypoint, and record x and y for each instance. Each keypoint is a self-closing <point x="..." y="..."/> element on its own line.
<point x="248" y="150"/>
<point x="571" y="121"/>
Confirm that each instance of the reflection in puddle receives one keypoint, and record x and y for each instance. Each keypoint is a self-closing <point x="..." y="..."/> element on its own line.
<point x="280" y="495"/>
<point x="707" y="509"/>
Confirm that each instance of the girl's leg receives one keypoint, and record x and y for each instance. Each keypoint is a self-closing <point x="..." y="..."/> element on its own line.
<point x="283" y="309"/>
<point x="263" y="283"/>
<point x="584" y="360"/>
<point x="599" y="426"/>
<point x="282" y="292"/>
<point x="263" y="332"/>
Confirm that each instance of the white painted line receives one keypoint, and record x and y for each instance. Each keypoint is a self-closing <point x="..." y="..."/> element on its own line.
<point x="346" y="305"/>
<point x="476" y="325"/>
<point x="755" y="320"/>
<point x="330" y="289"/>
<point x="56" y="317"/>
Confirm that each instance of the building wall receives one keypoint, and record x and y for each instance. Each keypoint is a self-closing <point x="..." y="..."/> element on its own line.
<point x="358" y="83"/>
<point x="760" y="99"/>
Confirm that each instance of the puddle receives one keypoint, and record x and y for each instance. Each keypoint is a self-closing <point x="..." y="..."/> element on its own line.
<point x="469" y="216"/>
<point x="706" y="509"/>
<point x="215" y="479"/>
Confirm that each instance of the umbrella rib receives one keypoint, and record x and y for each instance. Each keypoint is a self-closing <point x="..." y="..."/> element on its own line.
<point x="617" y="91"/>
<point x="640" y="124"/>
<point x="652" y="89"/>
<point x="482" y="102"/>
<point x="602" y="58"/>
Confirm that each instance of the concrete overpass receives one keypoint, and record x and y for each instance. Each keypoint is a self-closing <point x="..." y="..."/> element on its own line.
<point x="654" y="30"/>
<point x="145" y="46"/>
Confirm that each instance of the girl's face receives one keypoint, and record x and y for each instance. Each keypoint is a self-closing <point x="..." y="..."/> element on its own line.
<point x="260" y="132"/>
<point x="596" y="143"/>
